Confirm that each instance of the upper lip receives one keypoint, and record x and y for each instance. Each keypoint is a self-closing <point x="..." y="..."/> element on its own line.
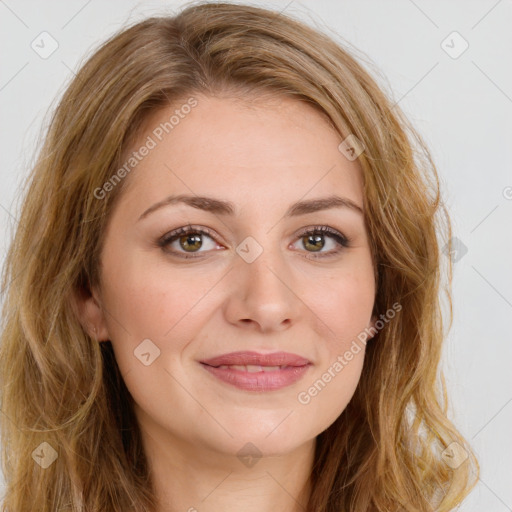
<point x="243" y="358"/>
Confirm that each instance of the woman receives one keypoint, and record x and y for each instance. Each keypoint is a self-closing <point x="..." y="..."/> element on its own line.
<point x="224" y="287"/>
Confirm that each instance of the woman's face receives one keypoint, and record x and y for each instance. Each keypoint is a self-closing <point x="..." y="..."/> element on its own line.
<point x="254" y="177"/>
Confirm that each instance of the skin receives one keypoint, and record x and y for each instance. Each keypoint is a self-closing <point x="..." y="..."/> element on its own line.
<point x="262" y="156"/>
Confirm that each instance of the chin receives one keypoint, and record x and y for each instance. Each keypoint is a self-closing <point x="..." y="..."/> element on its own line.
<point x="265" y="436"/>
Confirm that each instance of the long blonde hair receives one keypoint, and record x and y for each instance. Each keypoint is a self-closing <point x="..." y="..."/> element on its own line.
<point x="61" y="387"/>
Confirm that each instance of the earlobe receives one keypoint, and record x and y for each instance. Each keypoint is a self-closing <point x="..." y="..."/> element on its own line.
<point x="90" y="315"/>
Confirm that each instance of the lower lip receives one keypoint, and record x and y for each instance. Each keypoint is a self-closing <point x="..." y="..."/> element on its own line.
<point x="259" y="381"/>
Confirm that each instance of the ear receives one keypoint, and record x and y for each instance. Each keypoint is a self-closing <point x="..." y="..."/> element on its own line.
<point x="91" y="314"/>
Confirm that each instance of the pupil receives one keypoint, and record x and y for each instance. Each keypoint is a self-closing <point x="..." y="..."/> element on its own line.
<point x="189" y="240"/>
<point x="194" y="242"/>
<point x="316" y="244"/>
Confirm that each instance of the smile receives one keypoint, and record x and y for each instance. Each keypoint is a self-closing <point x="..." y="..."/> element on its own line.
<point x="257" y="377"/>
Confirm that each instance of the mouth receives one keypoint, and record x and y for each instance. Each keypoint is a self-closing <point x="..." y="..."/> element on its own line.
<point x="252" y="371"/>
<point x="252" y="368"/>
<point x="249" y="358"/>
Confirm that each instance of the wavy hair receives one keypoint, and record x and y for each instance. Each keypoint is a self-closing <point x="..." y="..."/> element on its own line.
<point x="62" y="387"/>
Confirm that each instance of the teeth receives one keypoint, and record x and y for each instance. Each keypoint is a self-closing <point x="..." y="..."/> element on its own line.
<point x="241" y="368"/>
<point x="251" y="368"/>
<point x="271" y="368"/>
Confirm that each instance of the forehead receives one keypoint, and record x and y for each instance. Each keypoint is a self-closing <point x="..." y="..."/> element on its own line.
<point x="267" y="151"/>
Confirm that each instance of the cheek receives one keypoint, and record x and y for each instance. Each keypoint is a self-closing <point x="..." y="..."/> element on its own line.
<point x="172" y="308"/>
<point x="344" y="307"/>
<point x="328" y="394"/>
<point x="344" y="304"/>
<point x="146" y="304"/>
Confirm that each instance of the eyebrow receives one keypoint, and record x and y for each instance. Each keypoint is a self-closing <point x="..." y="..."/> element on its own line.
<point x="219" y="207"/>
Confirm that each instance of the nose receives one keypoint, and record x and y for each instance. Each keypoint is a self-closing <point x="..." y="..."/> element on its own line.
<point x="263" y="295"/>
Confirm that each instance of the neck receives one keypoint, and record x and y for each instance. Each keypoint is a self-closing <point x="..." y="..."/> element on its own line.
<point x="189" y="477"/>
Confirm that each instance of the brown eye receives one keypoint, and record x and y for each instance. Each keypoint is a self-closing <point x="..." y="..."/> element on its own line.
<point x="318" y="238"/>
<point x="313" y="242"/>
<point x="191" y="243"/>
<point x="187" y="240"/>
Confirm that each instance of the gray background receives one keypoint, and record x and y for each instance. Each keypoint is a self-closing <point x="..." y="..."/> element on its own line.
<point x="461" y="106"/>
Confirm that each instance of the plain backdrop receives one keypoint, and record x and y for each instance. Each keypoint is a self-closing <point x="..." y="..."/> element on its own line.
<point x="458" y="98"/>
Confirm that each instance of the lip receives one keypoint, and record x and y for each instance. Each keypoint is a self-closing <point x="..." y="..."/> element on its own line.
<point x="292" y="368"/>
<point x="255" y="358"/>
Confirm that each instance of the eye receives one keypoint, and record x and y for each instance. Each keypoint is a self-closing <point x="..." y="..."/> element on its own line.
<point x="188" y="240"/>
<point x="314" y="239"/>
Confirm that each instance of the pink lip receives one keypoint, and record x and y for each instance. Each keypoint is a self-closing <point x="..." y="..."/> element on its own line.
<point x="293" y="368"/>
<point x="247" y="357"/>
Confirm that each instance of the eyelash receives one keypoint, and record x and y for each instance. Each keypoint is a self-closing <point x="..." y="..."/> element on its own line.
<point x="342" y="240"/>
